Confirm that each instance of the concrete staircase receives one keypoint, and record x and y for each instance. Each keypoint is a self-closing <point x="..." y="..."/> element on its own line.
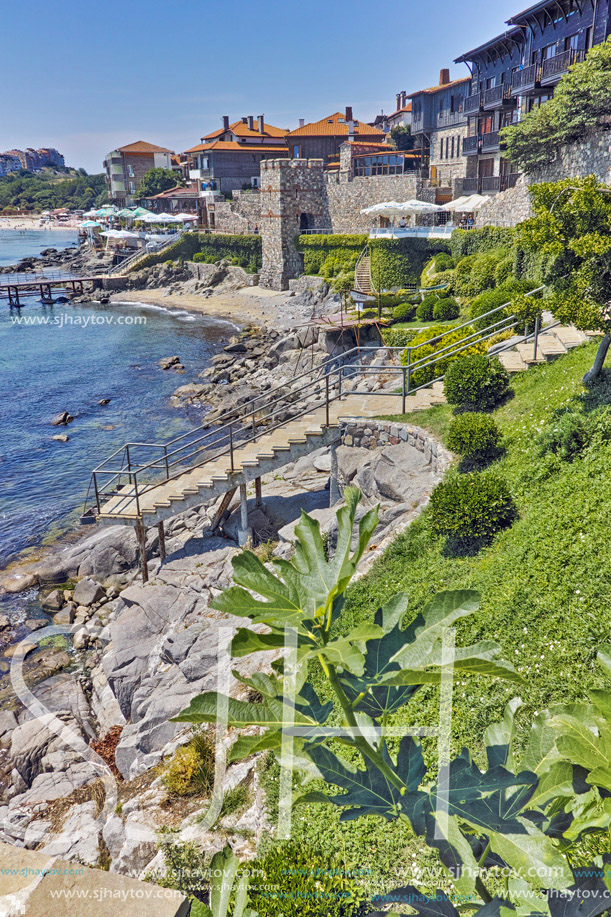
<point x="270" y="452"/>
<point x="551" y="344"/>
<point x="362" y="275"/>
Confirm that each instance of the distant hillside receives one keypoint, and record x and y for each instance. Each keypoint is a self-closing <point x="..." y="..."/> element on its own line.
<point x="50" y="189"/>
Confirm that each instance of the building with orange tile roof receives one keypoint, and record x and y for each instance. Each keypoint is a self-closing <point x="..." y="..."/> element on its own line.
<point x="323" y="139"/>
<point x="126" y="166"/>
<point x="229" y="159"/>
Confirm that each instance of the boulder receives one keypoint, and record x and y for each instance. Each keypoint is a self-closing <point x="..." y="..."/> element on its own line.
<point x="61" y="438"/>
<point x="5" y="622"/>
<point x="80" y="836"/>
<point x="62" y="419"/>
<point x="169" y="362"/>
<point x="349" y="460"/>
<point x="20" y="583"/>
<point x="115" y="552"/>
<point x="8" y="722"/>
<point x="65" y="617"/>
<point x="53" y="601"/>
<point x="87" y="592"/>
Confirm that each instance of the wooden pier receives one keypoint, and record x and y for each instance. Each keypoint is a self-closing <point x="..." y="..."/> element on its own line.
<point x="12" y="285"/>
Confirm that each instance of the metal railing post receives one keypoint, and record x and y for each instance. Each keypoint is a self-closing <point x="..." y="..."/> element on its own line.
<point x="409" y="368"/>
<point x="403" y="391"/>
<point x="167" y="467"/>
<point x="340" y="376"/>
<point x="231" y="445"/>
<point x="536" y="337"/>
<point x="254" y="423"/>
<point x="97" y="495"/>
<point x="129" y="466"/>
<point x="327" y="397"/>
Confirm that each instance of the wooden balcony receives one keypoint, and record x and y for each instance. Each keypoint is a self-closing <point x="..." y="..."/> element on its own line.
<point x="491" y="142"/>
<point x="470" y="146"/>
<point x="471" y="186"/>
<point x="473" y="104"/>
<point x="555" y="67"/>
<point x="524" y="80"/>
<point x="497" y="97"/>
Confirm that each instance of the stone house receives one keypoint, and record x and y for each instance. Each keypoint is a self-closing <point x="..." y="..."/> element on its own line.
<point x="402" y="116"/>
<point x="439" y="125"/>
<point x="518" y="71"/>
<point x="126" y="166"/>
<point x="323" y="139"/>
<point x="229" y="159"/>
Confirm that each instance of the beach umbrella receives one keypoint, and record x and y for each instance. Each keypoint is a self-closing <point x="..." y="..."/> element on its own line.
<point x="416" y="207"/>
<point x="169" y="218"/>
<point x="474" y="202"/>
<point x="383" y="209"/>
<point x="457" y="206"/>
<point x="140" y="212"/>
<point x="91" y="224"/>
<point x="150" y="218"/>
<point x="187" y="217"/>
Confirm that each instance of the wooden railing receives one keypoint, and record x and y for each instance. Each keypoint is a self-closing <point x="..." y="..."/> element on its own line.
<point x="491" y="141"/>
<point x="472" y="104"/>
<point x="559" y="64"/>
<point x="498" y="95"/>
<point x="470" y="146"/>
<point x="526" y="78"/>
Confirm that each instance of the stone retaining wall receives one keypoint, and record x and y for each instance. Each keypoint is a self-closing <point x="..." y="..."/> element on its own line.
<point x="372" y="434"/>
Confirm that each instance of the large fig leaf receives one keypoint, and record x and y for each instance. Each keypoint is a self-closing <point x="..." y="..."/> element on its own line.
<point x="439" y="906"/>
<point x="588" y="896"/>
<point x="532" y="853"/>
<point x="499" y="737"/>
<point x="271" y="712"/>
<point x="306" y="586"/>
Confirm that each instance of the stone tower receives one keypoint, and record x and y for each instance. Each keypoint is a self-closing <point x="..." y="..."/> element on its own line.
<point x="292" y="197"/>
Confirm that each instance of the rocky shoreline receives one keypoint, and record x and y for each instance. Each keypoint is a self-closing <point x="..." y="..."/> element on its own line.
<point x="115" y="659"/>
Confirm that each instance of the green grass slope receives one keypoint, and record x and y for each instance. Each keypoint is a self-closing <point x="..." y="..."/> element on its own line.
<point x="545" y="589"/>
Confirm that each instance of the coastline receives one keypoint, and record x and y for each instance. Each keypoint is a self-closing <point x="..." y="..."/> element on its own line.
<point x="247" y="306"/>
<point x="28" y="221"/>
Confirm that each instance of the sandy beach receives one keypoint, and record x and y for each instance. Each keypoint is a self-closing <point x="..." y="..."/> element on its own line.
<point x="249" y="305"/>
<point x="35" y="221"/>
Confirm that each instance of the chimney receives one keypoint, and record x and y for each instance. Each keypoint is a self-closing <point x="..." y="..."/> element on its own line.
<point x="444" y="77"/>
<point x="403" y="99"/>
<point x="348" y="113"/>
<point x="301" y="122"/>
<point x="261" y="123"/>
<point x="244" y="120"/>
<point x="398" y="101"/>
<point x="251" y="123"/>
<point x="225" y="122"/>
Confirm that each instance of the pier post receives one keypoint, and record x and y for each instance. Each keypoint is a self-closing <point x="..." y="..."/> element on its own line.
<point x="258" y="495"/>
<point x="141" y="535"/>
<point x="161" y="531"/>
<point x="335" y="493"/>
<point x="244" y="533"/>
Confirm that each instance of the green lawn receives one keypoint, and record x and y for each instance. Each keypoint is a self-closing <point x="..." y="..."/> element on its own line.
<point x="545" y="589"/>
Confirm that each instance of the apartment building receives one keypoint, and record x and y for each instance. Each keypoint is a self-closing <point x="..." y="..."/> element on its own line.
<point x="126" y="166"/>
<point x="323" y="139"/>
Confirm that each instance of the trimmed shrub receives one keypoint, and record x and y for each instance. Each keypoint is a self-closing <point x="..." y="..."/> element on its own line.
<point x="473" y="435"/>
<point x="443" y="262"/>
<point x="398" y="337"/>
<point x="398" y="263"/>
<point x="424" y="312"/>
<point x="424" y="344"/>
<point x="330" y="255"/>
<point x="308" y="883"/>
<point x="485" y="303"/>
<point x="446" y="309"/>
<point x="472" y="506"/>
<point x="473" y="382"/>
<point x="404" y="312"/>
<point x="474" y="241"/>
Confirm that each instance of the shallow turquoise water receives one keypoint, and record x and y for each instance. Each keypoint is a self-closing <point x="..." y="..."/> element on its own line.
<point x="16" y="244"/>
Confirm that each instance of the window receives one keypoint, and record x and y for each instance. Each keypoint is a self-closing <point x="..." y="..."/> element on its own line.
<point x="130" y="170"/>
<point x="452" y="104"/>
<point x="296" y="152"/>
<point x="571" y="43"/>
<point x="453" y="147"/>
<point x="458" y="146"/>
<point x="132" y="187"/>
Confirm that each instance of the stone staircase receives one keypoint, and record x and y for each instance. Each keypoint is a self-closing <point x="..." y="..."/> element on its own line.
<point x="551" y="344"/>
<point x="362" y="275"/>
<point x="268" y="453"/>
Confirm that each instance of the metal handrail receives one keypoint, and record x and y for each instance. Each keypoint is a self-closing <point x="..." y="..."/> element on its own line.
<point x="324" y="386"/>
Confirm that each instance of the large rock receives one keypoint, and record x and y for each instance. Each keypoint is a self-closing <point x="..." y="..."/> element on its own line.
<point x="87" y="592"/>
<point x="53" y="601"/>
<point x="79" y="837"/>
<point x="110" y="551"/>
<point x="402" y="474"/>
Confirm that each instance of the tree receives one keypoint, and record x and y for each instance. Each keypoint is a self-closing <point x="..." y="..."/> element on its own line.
<point x="401" y="138"/>
<point x="580" y="105"/>
<point x="157" y="180"/>
<point x="570" y="238"/>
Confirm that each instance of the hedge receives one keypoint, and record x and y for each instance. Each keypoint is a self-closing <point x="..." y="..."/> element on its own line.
<point x="330" y="255"/>
<point x="475" y="241"/>
<point x="398" y="263"/>
<point x="245" y="251"/>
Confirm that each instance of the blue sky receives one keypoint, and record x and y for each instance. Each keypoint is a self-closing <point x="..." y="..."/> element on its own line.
<point x="88" y="76"/>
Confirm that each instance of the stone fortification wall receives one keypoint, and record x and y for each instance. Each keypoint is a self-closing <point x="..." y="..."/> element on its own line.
<point x="240" y="215"/>
<point x="346" y="199"/>
<point x="591" y="157"/>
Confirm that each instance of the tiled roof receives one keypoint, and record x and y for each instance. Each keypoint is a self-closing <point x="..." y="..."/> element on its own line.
<point x="242" y="130"/>
<point x="179" y="191"/>
<point x="141" y="146"/>
<point x="234" y="147"/>
<point x="407" y="109"/>
<point x="432" y="89"/>
<point x="332" y="126"/>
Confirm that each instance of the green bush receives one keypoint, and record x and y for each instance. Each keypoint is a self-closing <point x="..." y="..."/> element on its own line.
<point x="472" y="506"/>
<point x="443" y="262"/>
<point x="309" y="883"/>
<point x="567" y="436"/>
<point x="404" y="312"/>
<point x="398" y="337"/>
<point x="398" y="263"/>
<point x="476" y="383"/>
<point x="424" y="312"/>
<point x="504" y="269"/>
<point x="475" y="241"/>
<point x="330" y="255"/>
<point x="425" y="344"/>
<point x="481" y="273"/>
<point x="485" y="303"/>
<point x="446" y="309"/>
<point x="473" y="435"/>
<point x="190" y="771"/>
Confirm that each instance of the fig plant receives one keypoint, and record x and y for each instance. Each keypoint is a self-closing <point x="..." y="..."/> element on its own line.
<point x="525" y="822"/>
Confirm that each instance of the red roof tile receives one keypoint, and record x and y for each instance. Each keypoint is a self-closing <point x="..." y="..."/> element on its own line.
<point x="464" y="79"/>
<point x="235" y="147"/>
<point x="242" y="130"/>
<point x="141" y="146"/>
<point x="332" y="126"/>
